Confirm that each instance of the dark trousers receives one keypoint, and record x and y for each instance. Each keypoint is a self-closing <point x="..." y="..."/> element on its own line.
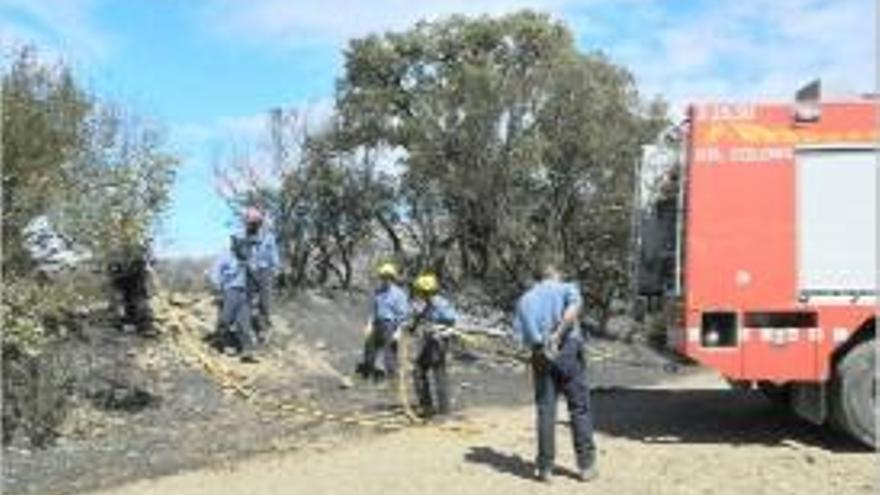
<point x="380" y="346"/>
<point x="139" y="312"/>
<point x="236" y="316"/>
<point x="430" y="366"/>
<point x="132" y="299"/>
<point x="565" y="375"/>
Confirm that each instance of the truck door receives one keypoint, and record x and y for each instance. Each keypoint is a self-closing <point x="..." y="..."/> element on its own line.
<point x="835" y="244"/>
<point x="836" y="215"/>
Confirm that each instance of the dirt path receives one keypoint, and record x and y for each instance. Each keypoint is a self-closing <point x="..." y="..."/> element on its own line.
<point x="686" y="436"/>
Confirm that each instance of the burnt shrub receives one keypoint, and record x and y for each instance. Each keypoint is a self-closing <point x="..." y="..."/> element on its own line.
<point x="37" y="389"/>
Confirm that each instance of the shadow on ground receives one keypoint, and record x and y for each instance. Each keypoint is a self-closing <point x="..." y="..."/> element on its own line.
<point x="512" y="464"/>
<point x="708" y="416"/>
<point x="682" y="416"/>
<point x="504" y="463"/>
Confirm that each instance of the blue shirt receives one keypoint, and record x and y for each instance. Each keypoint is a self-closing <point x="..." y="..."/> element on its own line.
<point x="540" y="310"/>
<point x="228" y="273"/>
<point x="441" y="311"/>
<point x="263" y="252"/>
<point x="390" y="305"/>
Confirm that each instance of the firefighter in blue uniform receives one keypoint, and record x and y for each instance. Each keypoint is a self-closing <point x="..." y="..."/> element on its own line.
<point x="263" y="262"/>
<point x="434" y="317"/>
<point x="230" y="277"/>
<point x="546" y="320"/>
<point x="390" y="309"/>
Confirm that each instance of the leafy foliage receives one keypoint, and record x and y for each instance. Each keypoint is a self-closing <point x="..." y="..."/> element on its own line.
<point x="516" y="144"/>
<point x="43" y="124"/>
<point x="124" y="180"/>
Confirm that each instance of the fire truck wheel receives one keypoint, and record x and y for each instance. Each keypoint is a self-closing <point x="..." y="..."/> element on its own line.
<point x="853" y="394"/>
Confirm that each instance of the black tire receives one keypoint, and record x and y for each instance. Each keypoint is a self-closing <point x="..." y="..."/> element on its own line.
<point x="853" y="394"/>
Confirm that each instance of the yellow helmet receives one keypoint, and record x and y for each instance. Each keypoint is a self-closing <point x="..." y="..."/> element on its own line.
<point x="387" y="270"/>
<point x="426" y="283"/>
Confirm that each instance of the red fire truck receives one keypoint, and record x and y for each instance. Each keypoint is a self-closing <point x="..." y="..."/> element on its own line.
<point x="769" y="223"/>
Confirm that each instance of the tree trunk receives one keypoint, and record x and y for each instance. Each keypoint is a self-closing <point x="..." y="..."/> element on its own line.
<point x="392" y="235"/>
<point x="345" y="253"/>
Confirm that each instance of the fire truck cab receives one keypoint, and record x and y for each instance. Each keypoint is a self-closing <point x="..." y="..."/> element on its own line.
<point x="762" y="233"/>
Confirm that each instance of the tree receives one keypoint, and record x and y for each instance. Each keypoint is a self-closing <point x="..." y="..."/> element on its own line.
<point x="596" y="126"/>
<point x="515" y="143"/>
<point x="124" y="179"/>
<point x="459" y="96"/>
<point x="44" y="126"/>
<point x="97" y="176"/>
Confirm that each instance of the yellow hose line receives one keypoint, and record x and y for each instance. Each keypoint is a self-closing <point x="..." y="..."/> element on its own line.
<point x="403" y="372"/>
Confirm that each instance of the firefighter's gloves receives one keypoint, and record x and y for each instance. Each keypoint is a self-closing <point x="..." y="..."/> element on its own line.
<point x="552" y="348"/>
<point x="541" y="361"/>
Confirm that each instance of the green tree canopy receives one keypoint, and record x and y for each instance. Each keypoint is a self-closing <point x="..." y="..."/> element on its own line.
<point x="515" y="144"/>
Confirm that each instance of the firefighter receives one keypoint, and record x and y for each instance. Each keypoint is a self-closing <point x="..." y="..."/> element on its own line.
<point x="390" y="309"/>
<point x="434" y="317"/>
<point x="230" y="279"/>
<point x="131" y="275"/>
<point x="262" y="258"/>
<point x="546" y="320"/>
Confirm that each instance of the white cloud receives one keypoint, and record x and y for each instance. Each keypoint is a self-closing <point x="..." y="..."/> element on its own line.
<point x="247" y="128"/>
<point x="61" y="29"/>
<point x="299" y="23"/>
<point x="244" y="127"/>
<point x="757" y="49"/>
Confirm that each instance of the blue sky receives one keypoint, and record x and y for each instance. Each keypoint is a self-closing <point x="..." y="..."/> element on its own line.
<point x="210" y="69"/>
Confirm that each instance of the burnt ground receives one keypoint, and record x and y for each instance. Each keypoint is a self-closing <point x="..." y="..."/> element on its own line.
<point x="187" y="420"/>
<point x="478" y="378"/>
